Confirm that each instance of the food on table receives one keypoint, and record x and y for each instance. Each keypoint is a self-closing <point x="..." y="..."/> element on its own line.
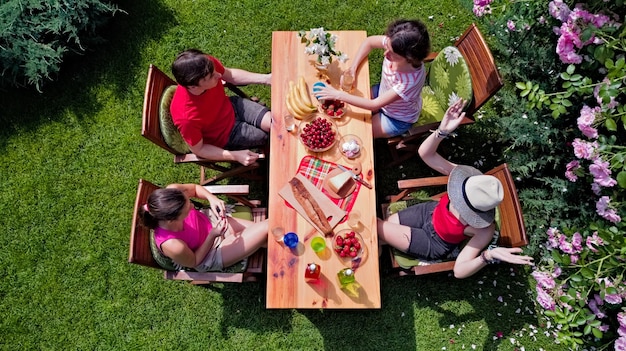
<point x="351" y="148"/>
<point x="310" y="206"/>
<point x="340" y="182"/>
<point x="347" y="245"/>
<point x="333" y="108"/>
<point x="298" y="101"/>
<point x="318" y="134"/>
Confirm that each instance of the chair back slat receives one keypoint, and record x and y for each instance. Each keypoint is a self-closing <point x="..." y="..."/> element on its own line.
<point x="512" y="228"/>
<point x="139" y="235"/>
<point x="486" y="80"/>
<point x="156" y="84"/>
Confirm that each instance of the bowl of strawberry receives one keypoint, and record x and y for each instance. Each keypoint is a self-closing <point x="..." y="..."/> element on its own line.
<point x="333" y="108"/>
<point x="318" y="133"/>
<point x="349" y="246"/>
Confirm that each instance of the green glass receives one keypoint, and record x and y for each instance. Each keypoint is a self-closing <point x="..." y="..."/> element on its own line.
<point x="318" y="244"/>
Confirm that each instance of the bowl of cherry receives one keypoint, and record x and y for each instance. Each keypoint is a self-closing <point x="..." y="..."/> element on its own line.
<point x="318" y="132"/>
<point x="349" y="246"/>
<point x="333" y="108"/>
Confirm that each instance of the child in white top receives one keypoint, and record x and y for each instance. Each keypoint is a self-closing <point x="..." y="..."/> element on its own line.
<point x="397" y="103"/>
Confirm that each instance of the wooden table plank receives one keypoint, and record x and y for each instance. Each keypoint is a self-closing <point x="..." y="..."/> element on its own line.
<point x="286" y="287"/>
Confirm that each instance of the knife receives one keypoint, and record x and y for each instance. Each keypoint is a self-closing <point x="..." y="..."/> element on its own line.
<point x="354" y="176"/>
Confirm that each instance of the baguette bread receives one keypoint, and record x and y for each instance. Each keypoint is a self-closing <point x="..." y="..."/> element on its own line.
<point x="310" y="206"/>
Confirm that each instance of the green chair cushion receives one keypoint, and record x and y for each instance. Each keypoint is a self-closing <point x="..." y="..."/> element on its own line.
<point x="448" y="80"/>
<point x="170" y="133"/>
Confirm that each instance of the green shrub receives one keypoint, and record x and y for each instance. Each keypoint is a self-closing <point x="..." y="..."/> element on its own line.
<point x="35" y="35"/>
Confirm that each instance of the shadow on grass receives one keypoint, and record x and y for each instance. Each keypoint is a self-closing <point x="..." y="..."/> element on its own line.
<point x="426" y="312"/>
<point x="114" y="61"/>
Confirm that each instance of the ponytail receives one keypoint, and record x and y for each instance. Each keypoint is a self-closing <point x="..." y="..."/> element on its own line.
<point x="163" y="204"/>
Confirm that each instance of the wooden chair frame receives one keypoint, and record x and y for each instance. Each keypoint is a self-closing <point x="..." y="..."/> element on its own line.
<point x="139" y="252"/>
<point x="512" y="229"/>
<point x="486" y="82"/>
<point x="156" y="84"/>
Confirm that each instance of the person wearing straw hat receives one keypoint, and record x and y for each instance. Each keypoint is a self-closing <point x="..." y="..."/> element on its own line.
<point x="432" y="230"/>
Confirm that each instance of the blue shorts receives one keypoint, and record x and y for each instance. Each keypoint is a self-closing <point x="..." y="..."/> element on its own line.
<point x="390" y="126"/>
<point x="247" y="132"/>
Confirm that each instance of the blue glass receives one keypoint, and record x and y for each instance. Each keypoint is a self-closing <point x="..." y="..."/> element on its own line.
<point x="291" y="240"/>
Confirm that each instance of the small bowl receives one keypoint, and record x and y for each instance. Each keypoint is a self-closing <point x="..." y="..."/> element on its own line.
<point x="350" y="146"/>
<point x="361" y="252"/>
<point x="327" y="139"/>
<point x="333" y="108"/>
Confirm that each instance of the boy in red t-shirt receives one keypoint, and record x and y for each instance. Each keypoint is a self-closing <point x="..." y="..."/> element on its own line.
<point x="216" y="126"/>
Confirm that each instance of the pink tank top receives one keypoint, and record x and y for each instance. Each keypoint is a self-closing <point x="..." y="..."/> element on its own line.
<point x="447" y="226"/>
<point x="196" y="228"/>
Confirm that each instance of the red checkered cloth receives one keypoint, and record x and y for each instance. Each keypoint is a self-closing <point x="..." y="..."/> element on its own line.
<point x="315" y="170"/>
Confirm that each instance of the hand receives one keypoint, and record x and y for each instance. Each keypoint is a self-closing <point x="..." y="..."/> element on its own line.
<point x="220" y="228"/>
<point x="510" y="255"/>
<point x="217" y="206"/>
<point x="453" y="117"/>
<point x="327" y="93"/>
<point x="245" y="157"/>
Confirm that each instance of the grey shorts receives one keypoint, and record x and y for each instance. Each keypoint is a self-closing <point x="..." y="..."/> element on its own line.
<point x="425" y="243"/>
<point x="213" y="260"/>
<point x="247" y="132"/>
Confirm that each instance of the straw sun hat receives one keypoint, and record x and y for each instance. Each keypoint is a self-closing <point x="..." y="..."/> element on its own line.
<point x="474" y="195"/>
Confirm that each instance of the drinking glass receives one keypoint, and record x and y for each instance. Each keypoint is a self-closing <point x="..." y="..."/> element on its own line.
<point x="346" y="81"/>
<point x="318" y="244"/>
<point x="291" y="240"/>
<point x="290" y="123"/>
<point x="278" y="233"/>
<point x="354" y="219"/>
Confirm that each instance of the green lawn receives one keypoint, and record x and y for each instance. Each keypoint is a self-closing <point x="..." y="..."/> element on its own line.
<point x="71" y="158"/>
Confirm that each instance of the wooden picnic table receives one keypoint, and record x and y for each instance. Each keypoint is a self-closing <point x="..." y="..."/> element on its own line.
<point x="286" y="286"/>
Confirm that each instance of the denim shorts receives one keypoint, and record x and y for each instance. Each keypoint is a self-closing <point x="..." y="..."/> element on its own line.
<point x="247" y="132"/>
<point x="390" y="126"/>
<point x="425" y="243"/>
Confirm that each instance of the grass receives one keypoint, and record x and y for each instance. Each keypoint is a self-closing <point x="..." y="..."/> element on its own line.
<point x="71" y="158"/>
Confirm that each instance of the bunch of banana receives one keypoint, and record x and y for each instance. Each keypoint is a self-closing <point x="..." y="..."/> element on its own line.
<point x="298" y="100"/>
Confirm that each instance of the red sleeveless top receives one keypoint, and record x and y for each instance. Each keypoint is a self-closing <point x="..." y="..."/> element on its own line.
<point x="447" y="226"/>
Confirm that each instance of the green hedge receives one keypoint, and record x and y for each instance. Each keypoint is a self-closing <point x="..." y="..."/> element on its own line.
<point x="35" y="36"/>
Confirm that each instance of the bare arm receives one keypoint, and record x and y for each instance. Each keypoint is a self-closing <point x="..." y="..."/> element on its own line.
<point x="238" y="76"/>
<point x="470" y="261"/>
<point x="214" y="153"/>
<point x="370" y="43"/>
<point x="428" y="150"/>
<point x="385" y="99"/>
<point x="199" y="192"/>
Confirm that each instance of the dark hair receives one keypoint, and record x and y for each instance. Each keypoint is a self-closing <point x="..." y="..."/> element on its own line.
<point x="190" y="66"/>
<point x="409" y="39"/>
<point x="163" y="204"/>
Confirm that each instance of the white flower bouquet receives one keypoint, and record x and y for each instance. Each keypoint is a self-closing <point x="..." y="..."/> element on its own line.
<point x="322" y="44"/>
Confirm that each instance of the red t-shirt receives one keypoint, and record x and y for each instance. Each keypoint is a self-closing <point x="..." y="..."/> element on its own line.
<point x="447" y="226"/>
<point x="209" y="117"/>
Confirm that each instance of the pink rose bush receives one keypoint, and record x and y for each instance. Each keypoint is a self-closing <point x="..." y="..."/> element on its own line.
<point x="580" y="281"/>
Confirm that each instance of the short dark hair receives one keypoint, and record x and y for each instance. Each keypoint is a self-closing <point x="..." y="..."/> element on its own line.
<point x="409" y="39"/>
<point x="190" y="66"/>
<point x="163" y="205"/>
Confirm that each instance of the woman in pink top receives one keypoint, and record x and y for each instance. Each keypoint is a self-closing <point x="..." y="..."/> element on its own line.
<point x="432" y="230"/>
<point x="187" y="235"/>
<point x="397" y="103"/>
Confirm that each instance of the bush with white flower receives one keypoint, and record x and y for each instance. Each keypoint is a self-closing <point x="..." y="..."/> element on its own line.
<point x="321" y="43"/>
<point x="580" y="278"/>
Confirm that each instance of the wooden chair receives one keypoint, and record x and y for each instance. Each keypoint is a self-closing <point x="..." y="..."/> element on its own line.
<point x="141" y="254"/>
<point x="486" y="82"/>
<point x="156" y="85"/>
<point x="511" y="226"/>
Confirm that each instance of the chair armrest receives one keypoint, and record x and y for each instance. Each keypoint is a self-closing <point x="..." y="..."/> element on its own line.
<point x="228" y="189"/>
<point x="422" y="182"/>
